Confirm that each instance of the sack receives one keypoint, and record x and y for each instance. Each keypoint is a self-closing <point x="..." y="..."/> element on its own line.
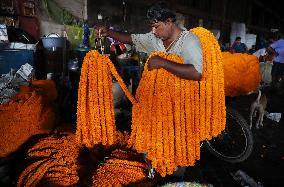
<point x="3" y="33"/>
<point x="266" y="68"/>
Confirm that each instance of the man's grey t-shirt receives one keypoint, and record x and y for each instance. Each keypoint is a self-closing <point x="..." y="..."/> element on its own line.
<point x="187" y="46"/>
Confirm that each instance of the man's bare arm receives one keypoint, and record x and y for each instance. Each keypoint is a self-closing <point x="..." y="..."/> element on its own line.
<point x="185" y="71"/>
<point x="120" y="36"/>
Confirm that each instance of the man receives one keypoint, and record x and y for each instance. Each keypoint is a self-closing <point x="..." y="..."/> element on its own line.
<point x="276" y="51"/>
<point x="238" y="46"/>
<point x="266" y="63"/>
<point x="165" y="36"/>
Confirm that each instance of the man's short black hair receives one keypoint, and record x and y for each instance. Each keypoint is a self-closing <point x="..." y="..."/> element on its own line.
<point x="238" y="38"/>
<point x="160" y="12"/>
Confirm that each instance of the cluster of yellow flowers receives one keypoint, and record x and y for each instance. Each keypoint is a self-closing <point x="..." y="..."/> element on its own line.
<point x="28" y="113"/>
<point x="242" y="73"/>
<point x="55" y="163"/>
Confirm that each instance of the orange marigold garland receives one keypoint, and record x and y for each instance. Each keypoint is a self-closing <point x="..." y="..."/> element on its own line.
<point x="28" y="113"/>
<point x="124" y="167"/>
<point x="56" y="163"/>
<point x="95" y="109"/>
<point x="170" y="137"/>
<point x="242" y="73"/>
<point x="191" y="123"/>
<point x="213" y="78"/>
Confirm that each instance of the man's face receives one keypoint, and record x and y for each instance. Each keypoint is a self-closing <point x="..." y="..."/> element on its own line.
<point x="161" y="29"/>
<point x="238" y="41"/>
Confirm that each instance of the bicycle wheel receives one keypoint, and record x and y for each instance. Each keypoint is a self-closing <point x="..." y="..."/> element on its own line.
<point x="235" y="144"/>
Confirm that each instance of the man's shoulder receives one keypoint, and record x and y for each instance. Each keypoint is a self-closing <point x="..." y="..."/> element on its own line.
<point x="189" y="36"/>
<point x="278" y="43"/>
<point x="144" y="37"/>
<point x="148" y="34"/>
<point x="190" y="40"/>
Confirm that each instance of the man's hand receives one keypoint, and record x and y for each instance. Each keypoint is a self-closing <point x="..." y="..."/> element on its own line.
<point x="155" y="62"/>
<point x="270" y="54"/>
<point x="123" y="37"/>
<point x="269" y="57"/>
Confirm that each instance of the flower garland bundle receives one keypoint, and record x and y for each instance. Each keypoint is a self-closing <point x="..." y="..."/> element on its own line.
<point x="55" y="163"/>
<point x="242" y="73"/>
<point x="173" y="115"/>
<point x="26" y="114"/>
<point x="212" y="94"/>
<point x="95" y="108"/>
<point x="122" y="168"/>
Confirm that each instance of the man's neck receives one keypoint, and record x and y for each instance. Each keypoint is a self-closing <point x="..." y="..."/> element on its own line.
<point x="175" y="34"/>
<point x="173" y="39"/>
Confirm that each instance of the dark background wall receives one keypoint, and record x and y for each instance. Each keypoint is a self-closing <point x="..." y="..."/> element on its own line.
<point x="259" y="16"/>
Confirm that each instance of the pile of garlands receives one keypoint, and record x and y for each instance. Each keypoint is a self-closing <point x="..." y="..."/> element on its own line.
<point x="170" y="116"/>
<point x="29" y="113"/>
<point x="52" y="162"/>
<point x="58" y="160"/>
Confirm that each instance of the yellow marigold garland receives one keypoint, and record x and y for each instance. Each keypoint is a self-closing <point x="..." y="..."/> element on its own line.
<point x="192" y="115"/>
<point x="95" y="109"/>
<point x="242" y="73"/>
<point x="56" y="163"/>
<point x="28" y="113"/>
<point x="122" y="168"/>
<point x="170" y="116"/>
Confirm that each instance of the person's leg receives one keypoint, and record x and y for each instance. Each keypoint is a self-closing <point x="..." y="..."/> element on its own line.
<point x="280" y="81"/>
<point x="274" y="74"/>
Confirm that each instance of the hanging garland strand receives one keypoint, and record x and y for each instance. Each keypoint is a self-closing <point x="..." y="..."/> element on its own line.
<point x="95" y="108"/>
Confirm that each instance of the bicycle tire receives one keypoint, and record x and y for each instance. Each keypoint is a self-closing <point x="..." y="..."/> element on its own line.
<point x="246" y="150"/>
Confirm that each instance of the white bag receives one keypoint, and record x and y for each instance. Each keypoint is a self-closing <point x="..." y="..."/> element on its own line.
<point x="266" y="68"/>
<point x="3" y="33"/>
<point x="26" y="71"/>
<point x="274" y="116"/>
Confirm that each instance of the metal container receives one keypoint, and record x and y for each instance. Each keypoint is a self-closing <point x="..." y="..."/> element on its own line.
<point x="53" y="42"/>
<point x="54" y="60"/>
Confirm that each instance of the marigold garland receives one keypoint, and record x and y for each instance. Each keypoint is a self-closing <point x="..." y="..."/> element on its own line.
<point x="190" y="117"/>
<point x="242" y="73"/>
<point x="56" y="163"/>
<point x="28" y="113"/>
<point x="122" y="168"/>
<point x="170" y="115"/>
<point x="95" y="109"/>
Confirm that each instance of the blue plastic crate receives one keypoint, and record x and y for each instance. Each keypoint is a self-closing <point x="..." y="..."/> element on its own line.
<point x="15" y="59"/>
